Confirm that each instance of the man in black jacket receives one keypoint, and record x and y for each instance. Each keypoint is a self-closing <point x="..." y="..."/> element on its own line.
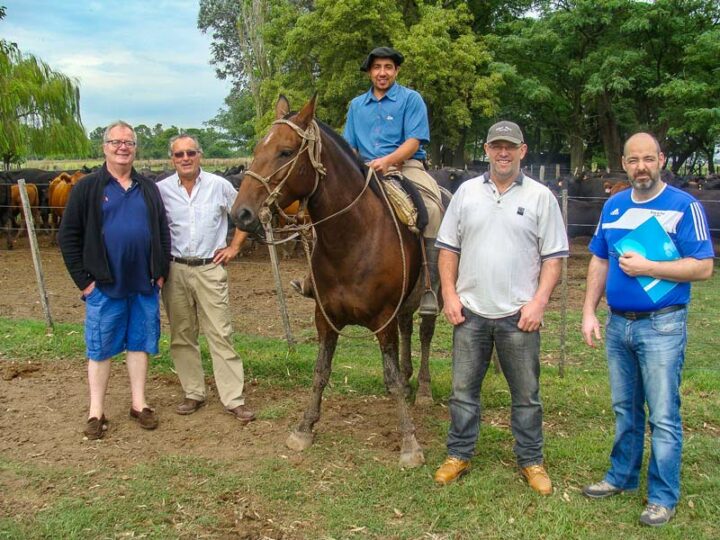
<point x="115" y="242"/>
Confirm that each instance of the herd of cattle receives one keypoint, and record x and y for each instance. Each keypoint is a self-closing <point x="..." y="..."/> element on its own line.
<point x="48" y="193"/>
<point x="588" y="191"/>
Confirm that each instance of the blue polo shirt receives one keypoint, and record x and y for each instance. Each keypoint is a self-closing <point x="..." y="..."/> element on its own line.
<point x="377" y="127"/>
<point x="126" y="234"/>
<point x="682" y="217"/>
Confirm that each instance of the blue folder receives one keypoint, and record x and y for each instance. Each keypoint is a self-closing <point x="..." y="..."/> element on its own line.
<point x="652" y="242"/>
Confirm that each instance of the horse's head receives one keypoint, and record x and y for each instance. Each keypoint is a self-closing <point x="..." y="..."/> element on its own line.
<point x="285" y="167"/>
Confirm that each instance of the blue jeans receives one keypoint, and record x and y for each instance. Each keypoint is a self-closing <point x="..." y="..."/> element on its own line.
<point x="519" y="355"/>
<point x="645" y="361"/>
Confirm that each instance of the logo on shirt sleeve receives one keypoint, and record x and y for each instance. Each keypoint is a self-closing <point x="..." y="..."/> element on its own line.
<point x="520" y="210"/>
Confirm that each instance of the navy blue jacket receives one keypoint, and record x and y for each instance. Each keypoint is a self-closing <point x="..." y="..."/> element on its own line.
<point x="80" y="236"/>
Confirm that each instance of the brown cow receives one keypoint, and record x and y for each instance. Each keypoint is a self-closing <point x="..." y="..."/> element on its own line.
<point x="16" y="210"/>
<point x="291" y="248"/>
<point x="58" y="195"/>
<point x="618" y="187"/>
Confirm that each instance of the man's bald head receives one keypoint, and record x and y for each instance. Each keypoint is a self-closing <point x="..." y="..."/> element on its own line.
<point x="641" y="137"/>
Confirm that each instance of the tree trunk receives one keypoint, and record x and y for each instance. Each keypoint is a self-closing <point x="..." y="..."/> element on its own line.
<point x="609" y="132"/>
<point x="577" y="153"/>
<point x="458" y="157"/>
<point x="710" y="160"/>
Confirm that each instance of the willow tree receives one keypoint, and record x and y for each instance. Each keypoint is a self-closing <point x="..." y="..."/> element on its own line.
<point x="39" y="108"/>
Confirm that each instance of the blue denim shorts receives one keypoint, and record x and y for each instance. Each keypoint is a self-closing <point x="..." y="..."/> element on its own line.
<point x="114" y="325"/>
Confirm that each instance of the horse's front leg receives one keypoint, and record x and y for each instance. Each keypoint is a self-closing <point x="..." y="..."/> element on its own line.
<point x="302" y="437"/>
<point x="411" y="455"/>
<point x="427" y="330"/>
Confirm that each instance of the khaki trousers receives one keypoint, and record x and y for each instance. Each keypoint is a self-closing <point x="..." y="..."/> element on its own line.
<point x="196" y="298"/>
<point x="414" y="171"/>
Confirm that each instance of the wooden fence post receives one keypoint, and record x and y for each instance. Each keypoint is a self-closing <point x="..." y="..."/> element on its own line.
<point x="278" y="284"/>
<point x="564" y="291"/>
<point x="30" y="224"/>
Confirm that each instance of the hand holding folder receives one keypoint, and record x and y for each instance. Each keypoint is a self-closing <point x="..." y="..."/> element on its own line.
<point x="652" y="242"/>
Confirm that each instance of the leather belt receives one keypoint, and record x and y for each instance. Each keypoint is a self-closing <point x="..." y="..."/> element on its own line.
<point x="191" y="261"/>
<point x="635" y="315"/>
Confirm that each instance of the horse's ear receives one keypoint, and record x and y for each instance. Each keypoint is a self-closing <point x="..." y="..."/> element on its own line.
<point x="282" y="107"/>
<point x="307" y="113"/>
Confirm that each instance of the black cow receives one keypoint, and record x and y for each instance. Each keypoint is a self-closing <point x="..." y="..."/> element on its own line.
<point x="451" y="178"/>
<point x="594" y="185"/>
<point x="583" y="216"/>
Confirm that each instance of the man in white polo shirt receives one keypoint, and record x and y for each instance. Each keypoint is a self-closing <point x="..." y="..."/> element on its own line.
<point x="196" y="292"/>
<point x="501" y="244"/>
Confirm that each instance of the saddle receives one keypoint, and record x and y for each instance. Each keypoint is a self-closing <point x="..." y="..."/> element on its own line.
<point x="406" y="201"/>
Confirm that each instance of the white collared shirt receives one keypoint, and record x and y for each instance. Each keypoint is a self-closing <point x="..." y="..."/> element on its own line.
<point x="198" y="221"/>
<point x="502" y="241"/>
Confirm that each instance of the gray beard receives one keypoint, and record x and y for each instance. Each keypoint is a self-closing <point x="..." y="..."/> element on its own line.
<point x="644" y="185"/>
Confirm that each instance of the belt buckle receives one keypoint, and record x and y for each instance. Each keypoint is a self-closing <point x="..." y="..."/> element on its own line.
<point x="631" y="315"/>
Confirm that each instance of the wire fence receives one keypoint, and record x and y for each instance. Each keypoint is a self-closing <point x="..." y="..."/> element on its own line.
<point x="255" y="309"/>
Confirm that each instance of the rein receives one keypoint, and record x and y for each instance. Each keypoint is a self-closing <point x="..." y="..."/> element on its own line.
<point x="312" y="143"/>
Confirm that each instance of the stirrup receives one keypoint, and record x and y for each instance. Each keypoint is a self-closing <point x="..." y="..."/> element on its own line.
<point x="429" y="304"/>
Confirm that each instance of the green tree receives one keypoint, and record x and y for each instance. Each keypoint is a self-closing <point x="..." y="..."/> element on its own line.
<point x="452" y="68"/>
<point x="593" y="72"/>
<point x="39" y="108"/>
<point x="237" y="120"/>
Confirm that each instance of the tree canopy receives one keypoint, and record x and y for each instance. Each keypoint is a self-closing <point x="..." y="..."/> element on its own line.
<point x="39" y="108"/>
<point x="578" y="75"/>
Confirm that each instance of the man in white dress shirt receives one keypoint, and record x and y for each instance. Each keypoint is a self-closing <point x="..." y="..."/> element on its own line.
<point x="195" y="295"/>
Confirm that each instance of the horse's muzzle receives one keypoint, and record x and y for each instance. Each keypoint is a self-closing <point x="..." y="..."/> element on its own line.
<point x="247" y="220"/>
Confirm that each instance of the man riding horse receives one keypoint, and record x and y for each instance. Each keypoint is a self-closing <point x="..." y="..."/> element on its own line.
<point x="388" y="126"/>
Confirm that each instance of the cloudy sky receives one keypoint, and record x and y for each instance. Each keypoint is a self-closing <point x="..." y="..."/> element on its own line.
<point x="142" y="61"/>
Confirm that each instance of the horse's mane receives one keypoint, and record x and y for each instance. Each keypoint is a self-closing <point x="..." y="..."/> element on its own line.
<point x="346" y="149"/>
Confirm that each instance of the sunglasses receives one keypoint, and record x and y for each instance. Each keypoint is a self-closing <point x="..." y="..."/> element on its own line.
<point x="183" y="153"/>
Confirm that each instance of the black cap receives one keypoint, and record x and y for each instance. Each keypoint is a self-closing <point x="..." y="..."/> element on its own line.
<point x="382" y="52"/>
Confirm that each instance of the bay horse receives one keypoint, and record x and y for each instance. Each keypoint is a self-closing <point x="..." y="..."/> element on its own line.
<point x="365" y="265"/>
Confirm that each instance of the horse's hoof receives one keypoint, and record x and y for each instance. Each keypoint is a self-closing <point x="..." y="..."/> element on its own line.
<point x="411" y="455"/>
<point x="299" y="441"/>
<point x="424" y="400"/>
<point x="412" y="459"/>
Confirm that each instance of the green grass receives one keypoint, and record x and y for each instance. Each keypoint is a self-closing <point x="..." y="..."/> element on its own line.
<point x="342" y="489"/>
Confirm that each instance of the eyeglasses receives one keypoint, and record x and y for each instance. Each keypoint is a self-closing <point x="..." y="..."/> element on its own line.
<point x="507" y="147"/>
<point x="117" y="143"/>
<point x="182" y="153"/>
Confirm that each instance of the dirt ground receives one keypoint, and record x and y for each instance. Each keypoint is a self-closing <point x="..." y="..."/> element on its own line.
<point x="252" y="290"/>
<point x="43" y="405"/>
<point x="253" y="300"/>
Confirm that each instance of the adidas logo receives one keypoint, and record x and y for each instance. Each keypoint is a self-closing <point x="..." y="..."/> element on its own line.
<point x="615" y="212"/>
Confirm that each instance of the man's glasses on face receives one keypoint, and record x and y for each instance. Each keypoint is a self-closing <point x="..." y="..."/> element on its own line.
<point x="183" y="153"/>
<point x="507" y="147"/>
<point x="117" y="143"/>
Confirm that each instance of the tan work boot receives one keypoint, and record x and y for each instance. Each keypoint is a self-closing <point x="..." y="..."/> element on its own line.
<point x="451" y="469"/>
<point x="538" y="479"/>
